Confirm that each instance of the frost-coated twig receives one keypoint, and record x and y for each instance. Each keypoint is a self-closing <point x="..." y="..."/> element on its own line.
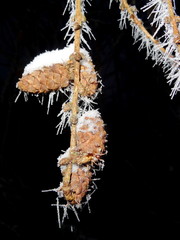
<point x="163" y="49"/>
<point x="78" y="19"/>
<point x="132" y="13"/>
<point x="71" y="22"/>
<point x="164" y="17"/>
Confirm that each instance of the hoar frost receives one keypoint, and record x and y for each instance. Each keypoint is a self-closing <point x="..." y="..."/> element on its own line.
<point x="163" y="50"/>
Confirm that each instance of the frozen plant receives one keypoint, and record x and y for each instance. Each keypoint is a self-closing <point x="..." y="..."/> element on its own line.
<point x="70" y="71"/>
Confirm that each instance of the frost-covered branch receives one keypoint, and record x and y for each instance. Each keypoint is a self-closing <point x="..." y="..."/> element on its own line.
<point x="132" y="16"/>
<point x="163" y="46"/>
<point x="71" y="23"/>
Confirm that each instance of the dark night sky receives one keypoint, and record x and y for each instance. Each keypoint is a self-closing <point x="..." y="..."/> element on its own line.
<point x="139" y="188"/>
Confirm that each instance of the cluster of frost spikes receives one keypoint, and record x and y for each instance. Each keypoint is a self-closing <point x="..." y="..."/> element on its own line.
<point x="70" y="23"/>
<point x="139" y="36"/>
<point x="160" y="15"/>
<point x="66" y="207"/>
<point x="85" y="104"/>
<point x="170" y="59"/>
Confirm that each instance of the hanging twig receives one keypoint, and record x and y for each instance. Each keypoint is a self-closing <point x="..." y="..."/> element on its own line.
<point x="131" y="11"/>
<point x="74" y="104"/>
<point x="77" y="58"/>
<point x="173" y="20"/>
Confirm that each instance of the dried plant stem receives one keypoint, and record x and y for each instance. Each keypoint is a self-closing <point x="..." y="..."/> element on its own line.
<point x="173" y="21"/>
<point x="138" y="22"/>
<point x="74" y="103"/>
<point x="74" y="106"/>
<point x="77" y="41"/>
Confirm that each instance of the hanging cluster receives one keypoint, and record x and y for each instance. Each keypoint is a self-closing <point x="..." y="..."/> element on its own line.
<point x="71" y="71"/>
<point x="77" y="165"/>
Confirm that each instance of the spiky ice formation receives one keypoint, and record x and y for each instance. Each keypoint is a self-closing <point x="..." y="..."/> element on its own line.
<point x="163" y="46"/>
<point x="71" y="23"/>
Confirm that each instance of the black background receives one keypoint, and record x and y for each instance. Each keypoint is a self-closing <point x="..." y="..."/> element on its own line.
<point x="138" y="194"/>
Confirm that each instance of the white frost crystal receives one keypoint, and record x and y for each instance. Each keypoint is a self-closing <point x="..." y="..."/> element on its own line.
<point x="85" y="120"/>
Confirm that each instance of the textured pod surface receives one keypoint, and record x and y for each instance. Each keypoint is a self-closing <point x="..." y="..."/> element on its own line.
<point x="88" y="77"/>
<point x="45" y="80"/>
<point x="57" y="76"/>
<point x="91" y="136"/>
<point x="78" y="186"/>
<point x="88" y="81"/>
<point x="77" y="166"/>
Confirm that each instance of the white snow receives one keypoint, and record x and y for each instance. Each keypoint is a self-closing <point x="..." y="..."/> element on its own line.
<point x="64" y="155"/>
<point x="48" y="58"/>
<point x="88" y="66"/>
<point x="90" y="114"/>
<point x="75" y="168"/>
<point x="85" y="119"/>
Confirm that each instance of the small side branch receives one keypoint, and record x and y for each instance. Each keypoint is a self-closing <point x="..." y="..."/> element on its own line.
<point x="138" y="22"/>
<point x="74" y="104"/>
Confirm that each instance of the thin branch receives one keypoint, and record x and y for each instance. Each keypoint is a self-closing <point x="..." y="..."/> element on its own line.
<point x="78" y="20"/>
<point x="138" y="22"/>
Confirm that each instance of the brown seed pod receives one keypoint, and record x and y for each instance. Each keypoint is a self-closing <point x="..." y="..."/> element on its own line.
<point x="88" y="78"/>
<point x="76" y="166"/>
<point x="58" y="76"/>
<point x="47" y="79"/>
<point x="91" y="136"/>
<point x="78" y="185"/>
<point x="88" y="81"/>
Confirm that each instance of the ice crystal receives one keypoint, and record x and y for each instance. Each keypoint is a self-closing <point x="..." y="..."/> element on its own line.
<point x="48" y="58"/>
<point x="51" y="100"/>
<point x="110" y="2"/>
<point x="123" y="19"/>
<point x="70" y="24"/>
<point x="85" y="119"/>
